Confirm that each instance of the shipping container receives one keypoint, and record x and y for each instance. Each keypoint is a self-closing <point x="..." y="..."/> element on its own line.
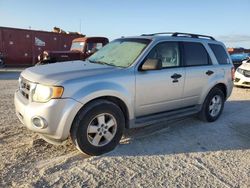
<point x="237" y="50"/>
<point x="21" y="47"/>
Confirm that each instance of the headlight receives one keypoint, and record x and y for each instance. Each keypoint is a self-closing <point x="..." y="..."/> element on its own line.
<point x="45" y="93"/>
<point x="241" y="71"/>
<point x="45" y="55"/>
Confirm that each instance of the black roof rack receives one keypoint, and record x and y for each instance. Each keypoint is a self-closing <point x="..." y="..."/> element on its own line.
<point x="176" y="34"/>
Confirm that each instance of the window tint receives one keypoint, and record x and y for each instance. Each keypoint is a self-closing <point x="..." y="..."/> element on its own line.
<point x="167" y="52"/>
<point x="220" y="53"/>
<point x="195" y="54"/>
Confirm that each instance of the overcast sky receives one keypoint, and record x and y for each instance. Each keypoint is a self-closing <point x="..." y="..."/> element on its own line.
<point x="226" y="20"/>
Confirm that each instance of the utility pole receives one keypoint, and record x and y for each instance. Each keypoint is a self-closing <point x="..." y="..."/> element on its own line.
<point x="80" y="25"/>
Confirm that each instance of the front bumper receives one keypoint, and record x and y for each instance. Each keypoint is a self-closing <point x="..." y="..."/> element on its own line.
<point x="58" y="113"/>
<point x="241" y="80"/>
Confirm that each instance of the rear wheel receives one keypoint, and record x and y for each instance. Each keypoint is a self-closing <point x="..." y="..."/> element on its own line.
<point x="98" y="128"/>
<point x="213" y="105"/>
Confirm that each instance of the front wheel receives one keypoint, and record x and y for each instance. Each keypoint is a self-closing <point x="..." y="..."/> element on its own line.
<point x="213" y="105"/>
<point x="98" y="127"/>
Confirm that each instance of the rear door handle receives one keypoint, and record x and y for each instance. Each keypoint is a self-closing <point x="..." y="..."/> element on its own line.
<point x="209" y="72"/>
<point x="176" y="76"/>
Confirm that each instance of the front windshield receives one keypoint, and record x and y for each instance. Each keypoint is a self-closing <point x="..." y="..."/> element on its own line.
<point x="77" y="46"/>
<point x="120" y="53"/>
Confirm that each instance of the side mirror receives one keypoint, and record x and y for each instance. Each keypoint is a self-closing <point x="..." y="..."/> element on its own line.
<point x="151" y="64"/>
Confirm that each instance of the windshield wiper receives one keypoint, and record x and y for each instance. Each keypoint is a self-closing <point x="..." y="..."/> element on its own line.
<point x="104" y="63"/>
<point x="101" y="62"/>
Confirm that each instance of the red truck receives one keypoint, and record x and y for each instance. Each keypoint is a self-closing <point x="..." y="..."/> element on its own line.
<point x="81" y="49"/>
<point x="21" y="47"/>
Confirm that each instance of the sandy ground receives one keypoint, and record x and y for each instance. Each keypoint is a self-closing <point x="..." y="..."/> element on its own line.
<point x="183" y="153"/>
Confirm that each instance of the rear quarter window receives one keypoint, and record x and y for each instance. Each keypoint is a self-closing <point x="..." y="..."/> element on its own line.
<point x="220" y="54"/>
<point x="195" y="54"/>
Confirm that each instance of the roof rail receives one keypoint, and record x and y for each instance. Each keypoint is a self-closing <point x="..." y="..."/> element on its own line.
<point x="176" y="34"/>
<point x="163" y="33"/>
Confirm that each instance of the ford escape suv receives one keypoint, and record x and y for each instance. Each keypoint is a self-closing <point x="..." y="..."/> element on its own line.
<point x="130" y="82"/>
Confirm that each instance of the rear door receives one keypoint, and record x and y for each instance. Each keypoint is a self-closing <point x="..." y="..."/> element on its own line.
<point x="158" y="90"/>
<point x="199" y="70"/>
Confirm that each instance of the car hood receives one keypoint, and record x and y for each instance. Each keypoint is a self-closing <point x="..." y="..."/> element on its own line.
<point x="52" y="74"/>
<point x="245" y="66"/>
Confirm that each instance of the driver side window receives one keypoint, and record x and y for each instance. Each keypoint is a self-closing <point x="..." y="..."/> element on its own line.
<point x="167" y="52"/>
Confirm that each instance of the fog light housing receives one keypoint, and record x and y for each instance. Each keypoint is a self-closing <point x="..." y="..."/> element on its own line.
<point x="39" y="122"/>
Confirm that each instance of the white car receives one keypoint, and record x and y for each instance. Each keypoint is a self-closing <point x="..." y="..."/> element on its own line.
<point x="242" y="74"/>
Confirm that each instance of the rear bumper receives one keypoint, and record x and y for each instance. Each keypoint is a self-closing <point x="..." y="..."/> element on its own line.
<point x="57" y="113"/>
<point x="241" y="80"/>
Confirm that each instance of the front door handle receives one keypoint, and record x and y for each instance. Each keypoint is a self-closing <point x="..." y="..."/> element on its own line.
<point x="209" y="72"/>
<point x="176" y="76"/>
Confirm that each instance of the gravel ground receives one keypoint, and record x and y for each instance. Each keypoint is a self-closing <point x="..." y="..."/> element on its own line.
<point x="183" y="153"/>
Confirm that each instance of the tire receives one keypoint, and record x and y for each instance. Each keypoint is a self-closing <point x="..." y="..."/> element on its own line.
<point x="208" y="112"/>
<point x="93" y="123"/>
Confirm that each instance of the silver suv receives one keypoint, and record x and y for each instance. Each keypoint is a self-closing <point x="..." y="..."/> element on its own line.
<point x="131" y="82"/>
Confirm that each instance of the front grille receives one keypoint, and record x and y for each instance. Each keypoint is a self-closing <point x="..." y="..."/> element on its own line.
<point x="246" y="73"/>
<point x="25" y="87"/>
<point x="246" y="83"/>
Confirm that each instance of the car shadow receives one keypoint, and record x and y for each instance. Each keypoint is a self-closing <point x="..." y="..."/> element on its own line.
<point x="230" y="132"/>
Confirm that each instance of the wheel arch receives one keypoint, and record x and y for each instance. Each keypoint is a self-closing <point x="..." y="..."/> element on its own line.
<point x="119" y="102"/>
<point x="114" y="99"/>
<point x="110" y="91"/>
<point x="222" y="86"/>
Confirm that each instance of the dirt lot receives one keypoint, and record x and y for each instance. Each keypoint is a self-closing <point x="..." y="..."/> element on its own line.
<point x="184" y="153"/>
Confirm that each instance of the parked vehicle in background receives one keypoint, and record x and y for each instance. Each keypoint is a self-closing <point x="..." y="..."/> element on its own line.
<point x="81" y="49"/>
<point x="238" y="58"/>
<point x="239" y="50"/>
<point x="1" y="60"/>
<point x="242" y="75"/>
<point x="130" y="82"/>
<point x="20" y="47"/>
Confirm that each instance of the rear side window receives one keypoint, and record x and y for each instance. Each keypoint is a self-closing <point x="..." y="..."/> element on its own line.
<point x="220" y="53"/>
<point x="195" y="54"/>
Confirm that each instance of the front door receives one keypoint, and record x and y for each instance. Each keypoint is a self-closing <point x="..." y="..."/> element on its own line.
<point x="160" y="90"/>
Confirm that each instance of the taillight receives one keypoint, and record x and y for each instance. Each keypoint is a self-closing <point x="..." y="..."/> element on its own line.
<point x="233" y="73"/>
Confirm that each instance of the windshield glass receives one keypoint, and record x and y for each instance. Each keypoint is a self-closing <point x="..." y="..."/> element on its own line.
<point x="120" y="53"/>
<point x="77" y="46"/>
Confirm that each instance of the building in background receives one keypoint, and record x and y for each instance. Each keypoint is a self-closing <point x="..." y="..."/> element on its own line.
<point x="238" y="50"/>
<point x="21" y="47"/>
